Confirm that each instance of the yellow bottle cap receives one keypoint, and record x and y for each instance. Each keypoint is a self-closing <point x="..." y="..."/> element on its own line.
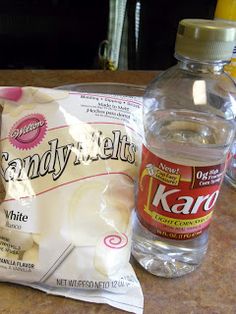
<point x="206" y="40"/>
<point x="226" y="10"/>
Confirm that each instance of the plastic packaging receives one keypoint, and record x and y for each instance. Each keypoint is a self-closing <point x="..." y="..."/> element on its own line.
<point x="226" y="11"/>
<point x="68" y="165"/>
<point x="189" y="121"/>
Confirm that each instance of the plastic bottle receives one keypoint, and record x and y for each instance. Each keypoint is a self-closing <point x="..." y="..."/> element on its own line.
<point x="189" y="128"/>
<point x="226" y="11"/>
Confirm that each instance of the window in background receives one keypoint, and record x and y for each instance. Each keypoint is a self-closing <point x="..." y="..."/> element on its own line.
<point x="148" y="31"/>
<point x="65" y="34"/>
<point x="157" y="29"/>
<point x="51" y="33"/>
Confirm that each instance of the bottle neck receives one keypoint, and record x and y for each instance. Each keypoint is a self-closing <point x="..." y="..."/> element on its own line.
<point x="201" y="66"/>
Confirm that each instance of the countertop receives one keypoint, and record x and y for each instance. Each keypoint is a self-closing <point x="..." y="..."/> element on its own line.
<point x="210" y="289"/>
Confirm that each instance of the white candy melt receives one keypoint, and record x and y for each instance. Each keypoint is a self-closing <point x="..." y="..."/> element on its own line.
<point x="22" y="240"/>
<point x="3" y="254"/>
<point x="112" y="253"/>
<point x="13" y="256"/>
<point x="36" y="238"/>
<point x="32" y="254"/>
<point x="92" y="213"/>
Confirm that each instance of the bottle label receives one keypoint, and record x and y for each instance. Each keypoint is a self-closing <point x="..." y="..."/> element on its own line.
<point x="176" y="201"/>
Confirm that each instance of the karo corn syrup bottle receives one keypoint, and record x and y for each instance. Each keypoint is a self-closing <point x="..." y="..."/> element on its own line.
<point x="189" y="122"/>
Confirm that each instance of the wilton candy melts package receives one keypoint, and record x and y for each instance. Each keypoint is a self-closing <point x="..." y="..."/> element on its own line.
<point x="69" y="161"/>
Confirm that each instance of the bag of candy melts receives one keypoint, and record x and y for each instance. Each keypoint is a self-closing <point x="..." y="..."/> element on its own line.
<point x="69" y="161"/>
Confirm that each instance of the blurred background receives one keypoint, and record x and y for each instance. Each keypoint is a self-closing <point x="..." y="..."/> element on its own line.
<point x="72" y="34"/>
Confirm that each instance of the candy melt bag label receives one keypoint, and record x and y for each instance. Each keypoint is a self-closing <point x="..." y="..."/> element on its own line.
<point x="68" y="165"/>
<point x="176" y="201"/>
